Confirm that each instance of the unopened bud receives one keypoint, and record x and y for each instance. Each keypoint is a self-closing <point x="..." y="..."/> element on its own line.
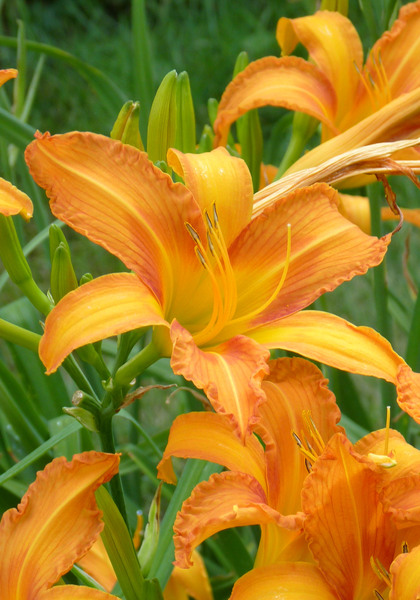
<point x="185" y="117"/>
<point x="161" y="130"/>
<point x="126" y="127"/>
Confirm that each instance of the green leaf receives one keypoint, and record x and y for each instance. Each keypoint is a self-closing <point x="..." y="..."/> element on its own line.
<point x="120" y="549"/>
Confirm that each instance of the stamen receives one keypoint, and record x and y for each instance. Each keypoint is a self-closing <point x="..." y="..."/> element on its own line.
<point x="380" y="570"/>
<point x="378" y="595"/>
<point x="404" y="548"/>
<point x="313" y="430"/>
<point x="306" y="453"/>
<point x="388" y="421"/>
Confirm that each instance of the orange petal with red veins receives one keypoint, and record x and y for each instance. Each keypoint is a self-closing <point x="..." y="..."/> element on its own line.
<point x="405" y="576"/>
<point x="288" y="82"/>
<point x="218" y="179"/>
<point x="212" y="437"/>
<point x="401" y="497"/>
<point x="397" y="51"/>
<point x="227" y="500"/>
<point x="6" y="74"/>
<point x="294" y="385"/>
<point x="345" y="524"/>
<point x="285" y="581"/>
<point x="230" y="374"/>
<point x="397" y="120"/>
<point x="13" y="201"/>
<point x="326" y="249"/>
<point x="101" y="308"/>
<point x="331" y="340"/>
<point x="333" y="45"/>
<point x="111" y="193"/>
<point x="55" y="524"/>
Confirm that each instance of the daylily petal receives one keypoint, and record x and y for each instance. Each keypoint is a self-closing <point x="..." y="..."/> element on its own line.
<point x="192" y="582"/>
<point x="285" y="581"/>
<point x="98" y="564"/>
<point x="54" y="525"/>
<point x="6" y="74"/>
<point x="344" y="521"/>
<point x="101" y="308"/>
<point x="406" y="456"/>
<point x="230" y="374"/>
<point x="336" y="342"/>
<point x="396" y="52"/>
<point x="218" y="179"/>
<point x="111" y="193"/>
<point x="411" y="215"/>
<point x="401" y="497"/>
<point x="326" y="249"/>
<point x="226" y="500"/>
<point x="357" y="210"/>
<point x="68" y="592"/>
<point x="214" y="439"/>
<point x="288" y="82"/>
<point x="294" y="385"/>
<point x="334" y="46"/>
<point x="13" y="201"/>
<point x="399" y="119"/>
<point x="405" y="576"/>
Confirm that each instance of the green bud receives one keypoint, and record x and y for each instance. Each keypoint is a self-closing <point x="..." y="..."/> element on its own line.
<point x="341" y="6"/>
<point x="206" y="140"/>
<point x="85" y="278"/>
<point x="126" y="127"/>
<point x="212" y="106"/>
<point x="11" y="252"/>
<point x="85" y="417"/>
<point x="56" y="237"/>
<point x="151" y="535"/>
<point x="185" y="117"/>
<point x="241" y="62"/>
<point x="63" y="278"/>
<point x="162" y="120"/>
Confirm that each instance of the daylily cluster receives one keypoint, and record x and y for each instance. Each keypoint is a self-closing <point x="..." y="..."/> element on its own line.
<point x="335" y="518"/>
<point x="219" y="286"/>
<point x="357" y="104"/>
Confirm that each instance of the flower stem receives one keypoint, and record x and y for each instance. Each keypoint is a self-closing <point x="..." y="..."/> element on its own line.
<point x="107" y="444"/>
<point x="19" y="335"/>
<point x="136" y="365"/>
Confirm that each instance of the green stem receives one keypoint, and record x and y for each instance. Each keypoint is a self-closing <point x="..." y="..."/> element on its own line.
<point x="380" y="287"/>
<point x="304" y="127"/>
<point x="136" y="365"/>
<point x="107" y="444"/>
<point x="19" y="335"/>
<point x="36" y="297"/>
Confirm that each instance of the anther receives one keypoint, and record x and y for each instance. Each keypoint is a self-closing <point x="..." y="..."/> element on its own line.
<point x="193" y="233"/>
<point x="200" y="257"/>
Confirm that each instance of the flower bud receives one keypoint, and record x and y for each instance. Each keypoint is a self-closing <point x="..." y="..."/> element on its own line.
<point x="63" y="278"/>
<point x="126" y="127"/>
<point x="185" y="117"/>
<point x="162" y="120"/>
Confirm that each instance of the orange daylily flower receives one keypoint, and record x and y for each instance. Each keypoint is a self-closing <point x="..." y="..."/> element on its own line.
<point x="358" y="104"/>
<point x="262" y="485"/>
<point x="219" y="286"/>
<point x="55" y="524"/>
<point x="353" y="536"/>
